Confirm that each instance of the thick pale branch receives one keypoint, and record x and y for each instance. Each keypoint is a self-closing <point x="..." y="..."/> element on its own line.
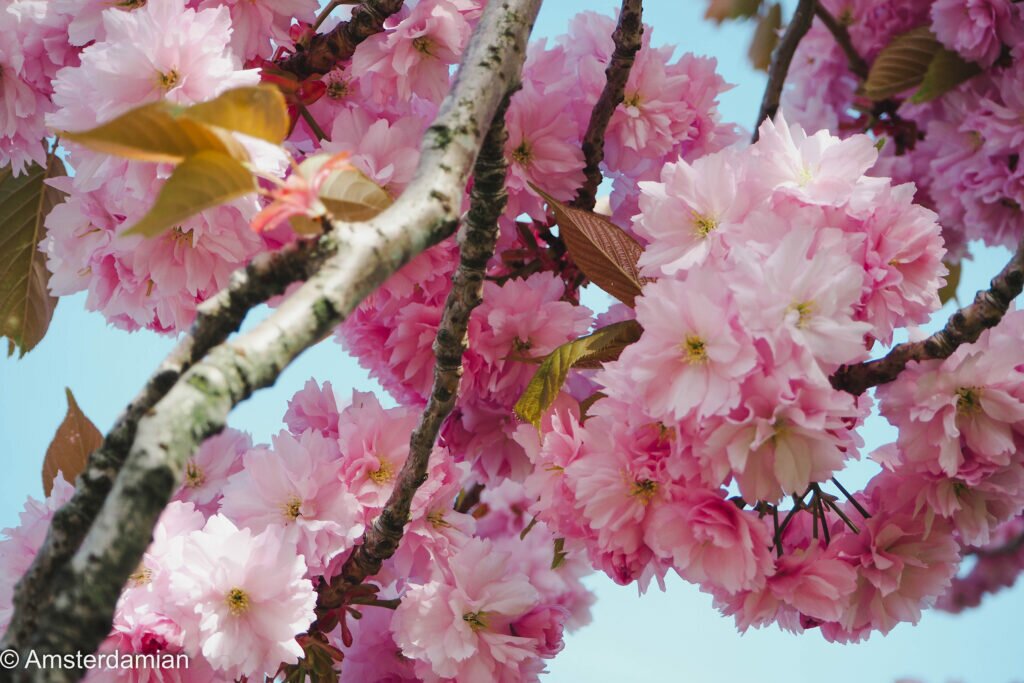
<point x="628" y="37"/>
<point x="85" y="591"/>
<point x="782" y="58"/>
<point x="267" y="276"/>
<point x="964" y="327"/>
<point x="326" y="50"/>
<point x="487" y="202"/>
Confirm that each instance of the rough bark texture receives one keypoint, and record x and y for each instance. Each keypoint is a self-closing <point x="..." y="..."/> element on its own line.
<point x="326" y="50"/>
<point x="487" y="202"/>
<point x="86" y="589"/>
<point x="267" y="276"/>
<point x="964" y="327"/>
<point x="798" y="27"/>
<point x="628" y="37"/>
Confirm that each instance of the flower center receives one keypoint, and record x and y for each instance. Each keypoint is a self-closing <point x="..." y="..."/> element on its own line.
<point x="520" y="346"/>
<point x="632" y="100"/>
<point x="238" y="601"/>
<point x="476" y="620"/>
<point x="804" y="312"/>
<point x="522" y="154"/>
<point x="141" y="576"/>
<point x="179" y="236"/>
<point x="644" y="489"/>
<point x="422" y="45"/>
<point x="968" y="400"/>
<point x="168" y="80"/>
<point x="194" y="475"/>
<point x="130" y="4"/>
<point x="383" y="474"/>
<point x="292" y="509"/>
<point x="694" y="350"/>
<point x="437" y="520"/>
<point x="337" y="89"/>
<point x="703" y="225"/>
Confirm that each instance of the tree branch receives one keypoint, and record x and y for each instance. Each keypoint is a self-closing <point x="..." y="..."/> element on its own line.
<point x="781" y="59"/>
<point x="86" y="590"/>
<point x="487" y="202"/>
<point x="268" y="275"/>
<point x="964" y="327"/>
<point x="628" y="37"/>
<point x="838" y="30"/>
<point x="326" y="50"/>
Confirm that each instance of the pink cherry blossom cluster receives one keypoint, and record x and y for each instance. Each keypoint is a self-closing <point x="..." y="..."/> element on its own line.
<point x="770" y="267"/>
<point x="962" y="149"/>
<point x="670" y="111"/>
<point x="229" y="578"/>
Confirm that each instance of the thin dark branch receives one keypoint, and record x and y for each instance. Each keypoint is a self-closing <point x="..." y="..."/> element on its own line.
<point x="781" y="59"/>
<point x="628" y="37"/>
<point x="326" y="50"/>
<point x="267" y="276"/>
<point x="838" y="30"/>
<point x="964" y="327"/>
<point x="487" y="202"/>
<point x="852" y="499"/>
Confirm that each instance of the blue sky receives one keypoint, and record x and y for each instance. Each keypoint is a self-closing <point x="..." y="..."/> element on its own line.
<point x="672" y="636"/>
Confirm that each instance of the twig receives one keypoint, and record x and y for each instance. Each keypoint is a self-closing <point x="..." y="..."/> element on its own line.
<point x="627" y="38"/>
<point x="487" y="202"/>
<point x="964" y="327"/>
<point x="852" y="499"/>
<point x="781" y="59"/>
<point x="468" y="498"/>
<point x="326" y="50"/>
<point x="268" y="275"/>
<point x="86" y="589"/>
<point x="838" y="30"/>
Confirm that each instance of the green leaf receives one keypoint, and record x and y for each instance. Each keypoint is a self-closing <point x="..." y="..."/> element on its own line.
<point x="26" y="306"/>
<point x="946" y="71"/>
<point x="69" y="450"/>
<point x="258" y="111"/>
<point x="902" y="64"/>
<point x="155" y="132"/>
<point x="200" y="182"/>
<point x="766" y="37"/>
<point x="605" y="253"/>
<point x="559" y="555"/>
<point x="948" y="292"/>
<point x="720" y="10"/>
<point x="590" y="351"/>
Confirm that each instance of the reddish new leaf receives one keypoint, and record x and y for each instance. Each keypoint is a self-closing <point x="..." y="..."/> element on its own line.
<point x="75" y="439"/>
<point x="605" y="253"/>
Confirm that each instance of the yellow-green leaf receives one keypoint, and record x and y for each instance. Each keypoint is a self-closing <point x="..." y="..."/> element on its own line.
<point x="69" y="451"/>
<point x="605" y="253"/>
<point x="902" y="64"/>
<point x="720" y="10"/>
<point x="155" y="132"/>
<point x="766" y="37"/>
<point x="946" y="71"/>
<point x="590" y="351"/>
<point x="26" y="306"/>
<point x="202" y="181"/>
<point x="558" y="557"/>
<point x="347" y="193"/>
<point x="948" y="292"/>
<point x="258" y="111"/>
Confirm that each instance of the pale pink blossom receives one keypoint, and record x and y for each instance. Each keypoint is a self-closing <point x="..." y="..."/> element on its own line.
<point x="457" y="625"/>
<point x="294" y="486"/>
<point x="242" y="597"/>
